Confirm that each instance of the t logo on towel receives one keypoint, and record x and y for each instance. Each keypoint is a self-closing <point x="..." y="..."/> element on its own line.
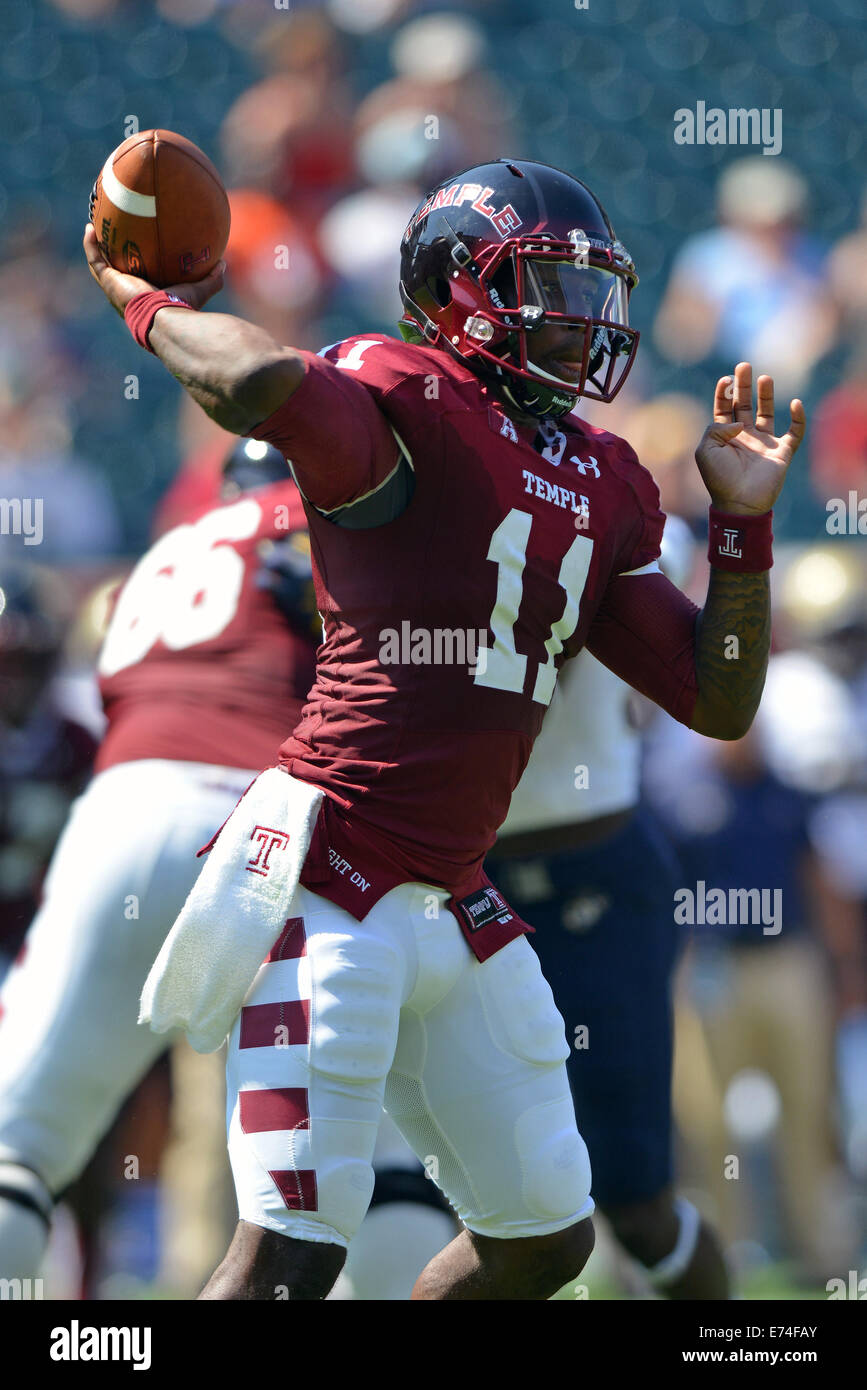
<point x="268" y="840"/>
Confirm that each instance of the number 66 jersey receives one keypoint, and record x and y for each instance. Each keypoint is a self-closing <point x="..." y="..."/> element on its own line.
<point x="199" y="663"/>
<point x="446" y="624"/>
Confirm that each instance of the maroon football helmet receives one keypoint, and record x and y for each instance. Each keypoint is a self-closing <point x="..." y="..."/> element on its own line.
<point x="497" y="251"/>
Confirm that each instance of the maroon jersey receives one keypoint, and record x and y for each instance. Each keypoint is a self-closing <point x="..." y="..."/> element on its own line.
<point x="199" y="664"/>
<point x="445" y="628"/>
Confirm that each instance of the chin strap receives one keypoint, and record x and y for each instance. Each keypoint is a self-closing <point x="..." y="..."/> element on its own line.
<point x="675" y="1265"/>
<point x="540" y="404"/>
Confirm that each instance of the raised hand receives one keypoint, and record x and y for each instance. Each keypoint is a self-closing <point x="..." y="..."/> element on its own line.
<point x="742" y="462"/>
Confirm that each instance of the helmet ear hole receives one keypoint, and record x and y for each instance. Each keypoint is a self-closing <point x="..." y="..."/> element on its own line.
<point x="441" y="290"/>
<point x="434" y="294"/>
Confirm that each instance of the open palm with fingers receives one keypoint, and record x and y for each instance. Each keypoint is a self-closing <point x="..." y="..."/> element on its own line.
<point x="742" y="462"/>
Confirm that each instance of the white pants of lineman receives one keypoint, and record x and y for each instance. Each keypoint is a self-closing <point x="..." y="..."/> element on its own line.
<point x="468" y="1059"/>
<point x="70" y="1047"/>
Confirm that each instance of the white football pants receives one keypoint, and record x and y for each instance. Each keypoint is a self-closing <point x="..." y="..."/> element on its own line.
<point x="467" y="1058"/>
<point x="70" y="1047"/>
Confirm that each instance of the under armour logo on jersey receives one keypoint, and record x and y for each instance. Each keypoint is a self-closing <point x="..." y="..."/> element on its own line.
<point x="268" y="840"/>
<point x="591" y="465"/>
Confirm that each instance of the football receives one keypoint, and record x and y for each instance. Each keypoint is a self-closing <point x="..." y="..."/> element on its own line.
<point x="160" y="209"/>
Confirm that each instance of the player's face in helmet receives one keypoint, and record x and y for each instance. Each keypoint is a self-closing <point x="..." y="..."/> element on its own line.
<point x="557" y="349"/>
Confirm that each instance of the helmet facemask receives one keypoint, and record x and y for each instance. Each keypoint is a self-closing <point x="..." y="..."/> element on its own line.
<point x="537" y="281"/>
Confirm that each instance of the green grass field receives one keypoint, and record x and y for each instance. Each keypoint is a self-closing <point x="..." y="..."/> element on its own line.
<point x="773" y="1283"/>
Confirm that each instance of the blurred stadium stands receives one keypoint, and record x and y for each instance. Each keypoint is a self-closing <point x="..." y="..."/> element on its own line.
<point x="594" y="90"/>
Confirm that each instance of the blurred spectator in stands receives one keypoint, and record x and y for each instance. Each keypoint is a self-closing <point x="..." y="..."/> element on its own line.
<point x="664" y="433"/>
<point x="36" y="358"/>
<point x="86" y="10"/>
<point x="276" y="277"/>
<point x="360" y="242"/>
<point x="441" y="113"/>
<point x="814" y="718"/>
<point x="45" y="757"/>
<point x="374" y="15"/>
<point x="289" y="134"/>
<point x="838" y="437"/>
<point x="39" y="474"/>
<point x="754" y="287"/>
<point x="441" y="78"/>
<point x="848" y="275"/>
<point x="760" y="1003"/>
<point x="41" y="382"/>
<point x="784" y="808"/>
<point x="275" y="274"/>
<point x="825" y="593"/>
<point x="838" y="834"/>
<point x="360" y="237"/>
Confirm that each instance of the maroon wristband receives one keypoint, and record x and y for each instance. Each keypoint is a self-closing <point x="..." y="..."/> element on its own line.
<point x="141" y="312"/>
<point x="742" y="544"/>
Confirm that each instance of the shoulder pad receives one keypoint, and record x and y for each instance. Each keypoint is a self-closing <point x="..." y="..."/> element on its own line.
<point x="624" y="463"/>
<point x="382" y="363"/>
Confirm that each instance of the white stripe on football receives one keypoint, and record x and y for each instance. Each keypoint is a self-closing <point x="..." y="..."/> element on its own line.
<point x="125" y="199"/>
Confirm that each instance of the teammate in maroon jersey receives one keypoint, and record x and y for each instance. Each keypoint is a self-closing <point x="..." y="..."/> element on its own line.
<point x="450" y="493"/>
<point x="208" y="653"/>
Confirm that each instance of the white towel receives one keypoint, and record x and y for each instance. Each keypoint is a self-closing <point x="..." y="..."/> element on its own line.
<point x="234" y="913"/>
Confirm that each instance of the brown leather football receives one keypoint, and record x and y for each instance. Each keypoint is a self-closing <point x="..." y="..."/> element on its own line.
<point x="160" y="209"/>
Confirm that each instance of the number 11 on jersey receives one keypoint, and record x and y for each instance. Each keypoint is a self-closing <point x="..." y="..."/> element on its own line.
<point x="506" y="668"/>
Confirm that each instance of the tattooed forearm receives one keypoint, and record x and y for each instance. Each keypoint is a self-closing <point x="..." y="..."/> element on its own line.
<point x="733" y="636"/>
